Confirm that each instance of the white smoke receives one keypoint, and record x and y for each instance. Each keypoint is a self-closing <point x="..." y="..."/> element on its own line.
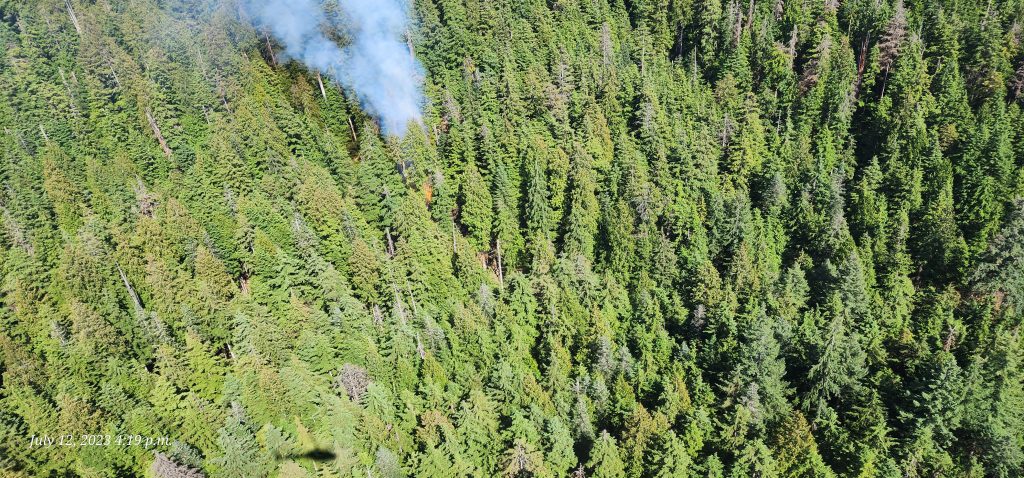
<point x="377" y="65"/>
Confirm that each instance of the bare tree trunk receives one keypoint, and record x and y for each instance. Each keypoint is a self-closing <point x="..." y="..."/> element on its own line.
<point x="501" y="273"/>
<point x="156" y="131"/>
<point x="862" y="60"/>
<point x="270" y="49"/>
<point x="243" y="284"/>
<point x="74" y="18"/>
<point x="750" y="16"/>
<point x="131" y="291"/>
<point x="320" y="81"/>
<point x="114" y="73"/>
<point x="420" y="349"/>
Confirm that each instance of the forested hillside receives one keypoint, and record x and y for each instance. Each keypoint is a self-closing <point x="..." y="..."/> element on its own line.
<point x="647" y="238"/>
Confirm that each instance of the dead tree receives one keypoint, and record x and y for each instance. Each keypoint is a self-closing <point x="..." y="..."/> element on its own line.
<point x="408" y="43"/>
<point x="1018" y="82"/>
<point x="270" y="49"/>
<point x="501" y="273"/>
<point x="816" y="64"/>
<point x="156" y="131"/>
<point x="352" y="127"/>
<point x="165" y="467"/>
<point x="146" y="200"/>
<point x="320" y="82"/>
<point x="354" y="380"/>
<point x="74" y="18"/>
<point x="892" y="40"/>
<point x="15" y="232"/>
<point x="131" y="291"/>
<point x="862" y="60"/>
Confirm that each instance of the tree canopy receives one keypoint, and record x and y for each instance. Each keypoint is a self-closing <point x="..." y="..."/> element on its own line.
<point x="629" y="239"/>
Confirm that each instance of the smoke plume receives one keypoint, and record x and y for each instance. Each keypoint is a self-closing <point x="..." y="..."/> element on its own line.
<point x="376" y="65"/>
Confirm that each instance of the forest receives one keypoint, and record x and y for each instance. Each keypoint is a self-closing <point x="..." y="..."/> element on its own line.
<point x="618" y="239"/>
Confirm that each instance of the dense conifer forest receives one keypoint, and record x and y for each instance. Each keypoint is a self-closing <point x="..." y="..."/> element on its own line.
<point x="626" y="239"/>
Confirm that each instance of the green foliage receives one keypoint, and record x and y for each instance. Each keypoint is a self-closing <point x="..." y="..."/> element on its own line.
<point x="640" y="239"/>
